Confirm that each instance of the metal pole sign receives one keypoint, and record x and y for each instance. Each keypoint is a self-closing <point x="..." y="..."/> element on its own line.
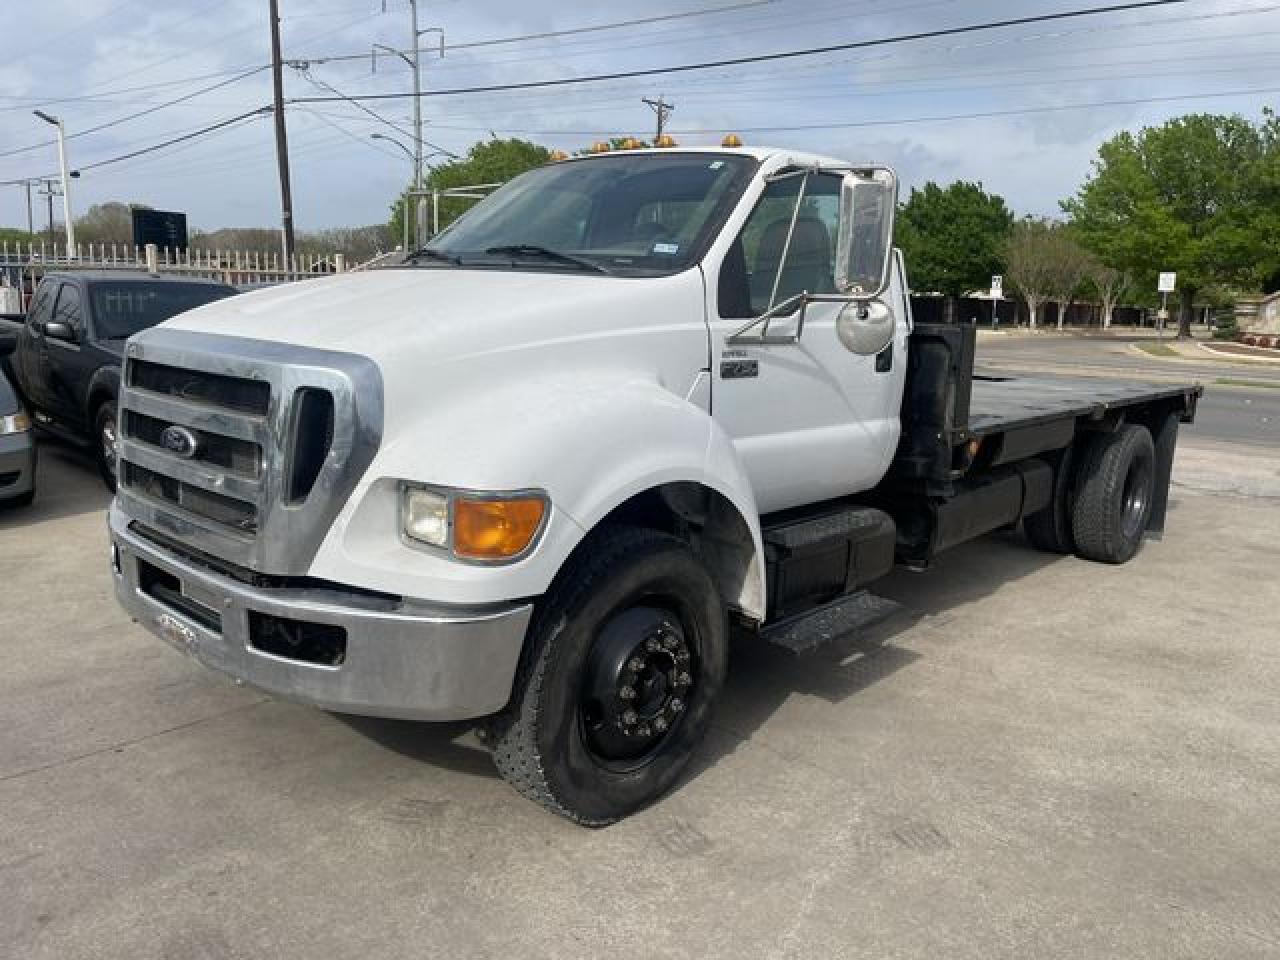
<point x="1168" y="284"/>
<point x="997" y="294"/>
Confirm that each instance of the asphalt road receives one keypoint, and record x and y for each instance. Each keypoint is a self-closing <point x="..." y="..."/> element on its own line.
<point x="1227" y="412"/>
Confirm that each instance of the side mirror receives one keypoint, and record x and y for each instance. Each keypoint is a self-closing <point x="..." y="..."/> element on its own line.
<point x="60" y="331"/>
<point x="865" y="327"/>
<point x="864" y="241"/>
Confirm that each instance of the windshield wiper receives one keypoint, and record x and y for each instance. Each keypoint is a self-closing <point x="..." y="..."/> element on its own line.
<point x="546" y="253"/>
<point x="426" y="253"/>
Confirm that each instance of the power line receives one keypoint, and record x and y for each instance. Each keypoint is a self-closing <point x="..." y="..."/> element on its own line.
<point x="941" y="118"/>
<point x="766" y="57"/>
<point x="133" y="116"/>
<point x="302" y="67"/>
<point x="152" y="148"/>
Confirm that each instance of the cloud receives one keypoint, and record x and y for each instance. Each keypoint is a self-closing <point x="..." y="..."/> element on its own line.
<point x="342" y="176"/>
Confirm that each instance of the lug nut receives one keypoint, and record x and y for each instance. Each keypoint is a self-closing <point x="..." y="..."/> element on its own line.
<point x="652" y="645"/>
<point x="635" y="664"/>
<point x="644" y="731"/>
<point x="629" y="717"/>
<point x="627" y="693"/>
<point x="660" y="724"/>
<point x="677" y="705"/>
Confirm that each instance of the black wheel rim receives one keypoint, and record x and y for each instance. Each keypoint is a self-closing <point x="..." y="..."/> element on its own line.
<point x="1135" y="498"/>
<point x="637" y="687"/>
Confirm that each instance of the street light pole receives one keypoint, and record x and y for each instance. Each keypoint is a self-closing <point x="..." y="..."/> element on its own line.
<point x="66" y="180"/>
<point x="404" y="211"/>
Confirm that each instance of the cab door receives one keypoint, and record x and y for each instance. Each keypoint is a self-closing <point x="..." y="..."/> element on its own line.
<point x="30" y="361"/>
<point x="811" y="420"/>
<point x="64" y="358"/>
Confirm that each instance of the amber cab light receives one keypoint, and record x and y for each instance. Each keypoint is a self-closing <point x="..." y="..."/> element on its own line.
<point x="496" y="529"/>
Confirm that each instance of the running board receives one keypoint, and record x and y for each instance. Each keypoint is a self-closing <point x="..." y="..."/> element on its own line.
<point x="807" y="631"/>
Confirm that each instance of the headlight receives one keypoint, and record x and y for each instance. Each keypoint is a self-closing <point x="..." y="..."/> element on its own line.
<point x="484" y="527"/>
<point x="426" y="516"/>
<point x="16" y="423"/>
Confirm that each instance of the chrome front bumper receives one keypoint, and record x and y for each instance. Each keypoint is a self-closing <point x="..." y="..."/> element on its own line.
<point x="413" y="660"/>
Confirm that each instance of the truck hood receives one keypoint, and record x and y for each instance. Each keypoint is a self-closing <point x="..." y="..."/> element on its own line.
<point x="437" y="315"/>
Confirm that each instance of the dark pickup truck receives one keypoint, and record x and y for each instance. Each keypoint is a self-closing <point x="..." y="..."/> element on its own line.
<point x="67" y="358"/>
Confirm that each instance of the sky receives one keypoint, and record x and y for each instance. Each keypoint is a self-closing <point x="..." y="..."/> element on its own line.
<point x="1019" y="109"/>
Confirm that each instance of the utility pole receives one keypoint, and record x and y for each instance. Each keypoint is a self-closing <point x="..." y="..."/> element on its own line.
<point x="282" y="140"/>
<point x="31" y="228"/>
<point x="49" y="193"/>
<point x="417" y="97"/>
<point x="663" y="110"/>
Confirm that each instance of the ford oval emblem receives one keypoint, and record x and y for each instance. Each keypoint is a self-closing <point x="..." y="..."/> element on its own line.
<point x="179" y="441"/>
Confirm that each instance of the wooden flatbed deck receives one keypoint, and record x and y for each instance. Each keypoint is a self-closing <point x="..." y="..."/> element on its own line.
<point x="1000" y="404"/>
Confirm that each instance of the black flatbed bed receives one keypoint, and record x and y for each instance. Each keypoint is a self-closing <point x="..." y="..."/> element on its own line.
<point x="999" y="404"/>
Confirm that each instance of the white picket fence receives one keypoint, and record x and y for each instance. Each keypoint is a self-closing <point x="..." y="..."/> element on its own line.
<point x="22" y="265"/>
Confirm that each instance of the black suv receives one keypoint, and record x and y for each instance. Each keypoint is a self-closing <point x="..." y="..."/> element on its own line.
<point x="70" y="347"/>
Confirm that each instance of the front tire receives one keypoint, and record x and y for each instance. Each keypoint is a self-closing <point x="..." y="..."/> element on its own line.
<point x="623" y="663"/>
<point x="106" y="443"/>
<point x="1113" y="502"/>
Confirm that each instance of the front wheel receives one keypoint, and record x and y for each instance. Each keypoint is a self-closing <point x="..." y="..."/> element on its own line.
<point x="622" y="665"/>
<point x="107" y="442"/>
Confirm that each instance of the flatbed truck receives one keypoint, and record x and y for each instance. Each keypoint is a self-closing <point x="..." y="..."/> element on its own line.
<point x="539" y="474"/>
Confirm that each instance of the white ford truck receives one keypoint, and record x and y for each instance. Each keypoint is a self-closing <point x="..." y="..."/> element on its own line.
<point x="533" y="474"/>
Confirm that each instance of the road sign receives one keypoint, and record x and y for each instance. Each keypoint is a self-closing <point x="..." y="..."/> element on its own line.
<point x="164" y="228"/>
<point x="1168" y="283"/>
<point x="997" y="287"/>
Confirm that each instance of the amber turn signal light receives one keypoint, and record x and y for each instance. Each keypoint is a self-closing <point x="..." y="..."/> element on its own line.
<point x="496" y="529"/>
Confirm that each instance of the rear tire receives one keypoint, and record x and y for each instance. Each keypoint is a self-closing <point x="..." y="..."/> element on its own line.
<point x="623" y="663"/>
<point x="1114" y="495"/>
<point x="106" y="438"/>
<point x="1050" y="529"/>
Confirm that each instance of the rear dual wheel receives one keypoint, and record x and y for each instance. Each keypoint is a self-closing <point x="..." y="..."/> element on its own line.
<point x="1116" y="489"/>
<point x="614" y="692"/>
<point x="1103" y="492"/>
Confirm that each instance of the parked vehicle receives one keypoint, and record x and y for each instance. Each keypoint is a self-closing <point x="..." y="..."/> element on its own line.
<point x="533" y="474"/>
<point x="17" y="446"/>
<point x="69" y="347"/>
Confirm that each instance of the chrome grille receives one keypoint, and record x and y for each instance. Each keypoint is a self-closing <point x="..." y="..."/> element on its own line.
<point x="272" y="440"/>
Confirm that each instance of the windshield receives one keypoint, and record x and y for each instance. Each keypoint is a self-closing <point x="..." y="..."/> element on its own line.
<point x="122" y="308"/>
<point x="638" y="214"/>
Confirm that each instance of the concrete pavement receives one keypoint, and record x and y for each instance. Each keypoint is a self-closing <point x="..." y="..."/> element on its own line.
<point x="1040" y="757"/>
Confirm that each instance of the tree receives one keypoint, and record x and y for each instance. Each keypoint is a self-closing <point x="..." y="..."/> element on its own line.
<point x="953" y="238"/>
<point x="490" y="161"/>
<point x="1029" y="259"/>
<point x="1110" y="284"/>
<point x="1190" y="196"/>
<point x="110" y="222"/>
<point x="1070" y="268"/>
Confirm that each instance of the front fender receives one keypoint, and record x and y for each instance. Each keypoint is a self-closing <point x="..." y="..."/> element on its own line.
<point x="590" y="441"/>
<point x="104" y="382"/>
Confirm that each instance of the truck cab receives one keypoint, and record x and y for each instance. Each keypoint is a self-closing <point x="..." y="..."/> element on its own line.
<point x="532" y="475"/>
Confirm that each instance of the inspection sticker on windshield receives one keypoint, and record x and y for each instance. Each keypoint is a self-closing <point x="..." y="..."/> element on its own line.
<point x="666" y="248"/>
<point x="716" y="164"/>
